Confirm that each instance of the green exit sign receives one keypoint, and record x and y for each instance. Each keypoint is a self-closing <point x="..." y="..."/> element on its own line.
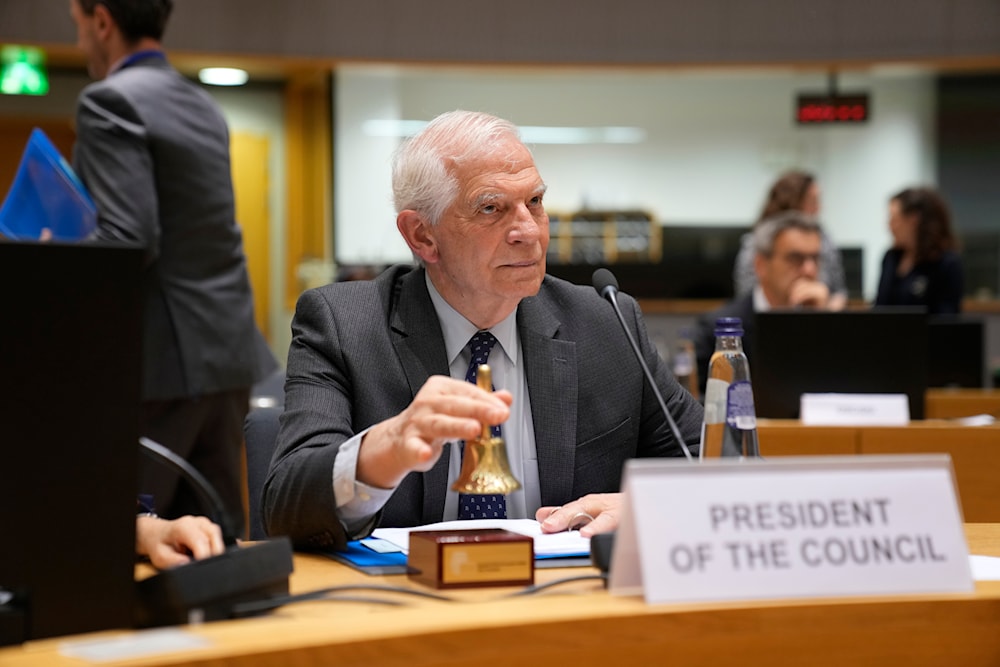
<point x="22" y="71"/>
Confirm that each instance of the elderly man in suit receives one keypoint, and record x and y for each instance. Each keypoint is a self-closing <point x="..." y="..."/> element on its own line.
<point x="153" y="150"/>
<point x="377" y="399"/>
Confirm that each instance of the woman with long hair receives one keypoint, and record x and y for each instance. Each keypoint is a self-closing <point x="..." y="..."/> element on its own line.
<point x="923" y="267"/>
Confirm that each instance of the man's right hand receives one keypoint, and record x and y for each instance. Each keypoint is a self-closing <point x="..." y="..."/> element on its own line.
<point x="808" y="292"/>
<point x="172" y="543"/>
<point x="444" y="409"/>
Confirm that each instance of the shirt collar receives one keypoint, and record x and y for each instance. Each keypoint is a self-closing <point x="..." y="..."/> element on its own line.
<point x="458" y="330"/>
<point x="134" y="57"/>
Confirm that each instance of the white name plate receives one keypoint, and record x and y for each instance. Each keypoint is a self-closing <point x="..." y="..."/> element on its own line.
<point x="854" y="409"/>
<point x="789" y="527"/>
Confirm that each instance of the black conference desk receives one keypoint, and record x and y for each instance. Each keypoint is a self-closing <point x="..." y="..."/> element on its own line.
<point x="581" y="624"/>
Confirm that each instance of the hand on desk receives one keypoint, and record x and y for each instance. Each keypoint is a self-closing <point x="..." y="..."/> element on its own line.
<point x="169" y="543"/>
<point x="444" y="409"/>
<point x="602" y="508"/>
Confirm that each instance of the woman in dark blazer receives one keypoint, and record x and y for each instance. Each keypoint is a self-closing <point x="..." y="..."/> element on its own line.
<point x="923" y="267"/>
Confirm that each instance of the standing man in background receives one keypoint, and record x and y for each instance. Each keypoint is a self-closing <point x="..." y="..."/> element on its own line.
<point x="153" y="150"/>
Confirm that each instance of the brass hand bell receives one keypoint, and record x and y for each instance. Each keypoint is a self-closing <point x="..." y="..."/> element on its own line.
<point x="485" y="468"/>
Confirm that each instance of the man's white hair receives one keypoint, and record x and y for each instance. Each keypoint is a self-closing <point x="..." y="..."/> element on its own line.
<point x="423" y="167"/>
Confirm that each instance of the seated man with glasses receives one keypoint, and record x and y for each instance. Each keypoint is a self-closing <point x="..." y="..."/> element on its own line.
<point x="787" y="255"/>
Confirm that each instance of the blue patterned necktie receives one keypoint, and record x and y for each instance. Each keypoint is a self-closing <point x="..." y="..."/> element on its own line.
<point x="475" y="506"/>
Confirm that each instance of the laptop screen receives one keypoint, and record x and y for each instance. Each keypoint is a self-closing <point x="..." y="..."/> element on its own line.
<point x="955" y="356"/>
<point x="880" y="351"/>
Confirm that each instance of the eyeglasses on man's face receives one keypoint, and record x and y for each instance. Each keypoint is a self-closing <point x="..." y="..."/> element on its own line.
<point x="798" y="259"/>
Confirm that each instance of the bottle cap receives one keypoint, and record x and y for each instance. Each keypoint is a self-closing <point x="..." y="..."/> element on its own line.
<point x="728" y="326"/>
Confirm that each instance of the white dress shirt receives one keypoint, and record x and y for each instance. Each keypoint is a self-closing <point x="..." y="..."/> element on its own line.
<point x="357" y="502"/>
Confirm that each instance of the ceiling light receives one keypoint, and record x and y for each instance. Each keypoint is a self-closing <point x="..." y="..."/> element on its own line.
<point x="223" y="76"/>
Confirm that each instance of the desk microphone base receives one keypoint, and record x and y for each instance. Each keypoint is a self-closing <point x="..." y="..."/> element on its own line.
<point x="601" y="547"/>
<point x="208" y="590"/>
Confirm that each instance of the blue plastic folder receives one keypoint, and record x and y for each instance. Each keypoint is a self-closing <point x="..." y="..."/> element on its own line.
<point x="364" y="559"/>
<point x="360" y="557"/>
<point x="46" y="194"/>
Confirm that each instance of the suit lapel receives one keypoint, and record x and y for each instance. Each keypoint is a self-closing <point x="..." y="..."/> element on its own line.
<point x="419" y="344"/>
<point x="551" y="372"/>
<point x="416" y="332"/>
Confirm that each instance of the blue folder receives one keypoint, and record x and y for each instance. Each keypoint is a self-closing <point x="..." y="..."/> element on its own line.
<point x="46" y="194"/>
<point x="371" y="562"/>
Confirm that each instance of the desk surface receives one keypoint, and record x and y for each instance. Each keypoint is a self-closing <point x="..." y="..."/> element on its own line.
<point x="580" y="624"/>
<point x="952" y="403"/>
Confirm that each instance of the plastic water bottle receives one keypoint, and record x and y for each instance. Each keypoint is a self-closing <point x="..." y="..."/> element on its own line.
<point x="730" y="427"/>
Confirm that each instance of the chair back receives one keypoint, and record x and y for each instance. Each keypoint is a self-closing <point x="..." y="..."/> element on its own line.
<point x="261" y="433"/>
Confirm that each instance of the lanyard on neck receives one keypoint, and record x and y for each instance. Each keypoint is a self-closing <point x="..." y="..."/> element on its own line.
<point x="133" y="58"/>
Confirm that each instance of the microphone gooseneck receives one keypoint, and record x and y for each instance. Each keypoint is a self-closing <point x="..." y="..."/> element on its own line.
<point x="607" y="286"/>
<point x="207" y="494"/>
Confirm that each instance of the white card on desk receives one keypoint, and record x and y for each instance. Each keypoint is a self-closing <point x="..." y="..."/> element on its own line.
<point x="854" y="409"/>
<point x="789" y="527"/>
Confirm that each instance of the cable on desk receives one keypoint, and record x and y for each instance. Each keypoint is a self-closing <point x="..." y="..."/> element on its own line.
<point x="531" y="590"/>
<point x="245" y="609"/>
<point x="331" y="594"/>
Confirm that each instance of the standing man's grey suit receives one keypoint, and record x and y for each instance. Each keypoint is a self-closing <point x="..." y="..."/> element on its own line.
<point x="153" y="150"/>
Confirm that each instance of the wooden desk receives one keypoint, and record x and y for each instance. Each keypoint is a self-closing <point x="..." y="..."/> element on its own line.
<point x="789" y="437"/>
<point x="956" y="403"/>
<point x="580" y="624"/>
<point x="975" y="456"/>
<point x="974" y="451"/>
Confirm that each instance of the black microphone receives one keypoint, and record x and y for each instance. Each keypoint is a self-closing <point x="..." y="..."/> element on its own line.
<point x="212" y="588"/>
<point x="607" y="286"/>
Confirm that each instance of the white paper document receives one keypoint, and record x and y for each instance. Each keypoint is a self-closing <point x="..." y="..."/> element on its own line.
<point x="550" y="545"/>
<point x="144" y="643"/>
<point x="985" y="568"/>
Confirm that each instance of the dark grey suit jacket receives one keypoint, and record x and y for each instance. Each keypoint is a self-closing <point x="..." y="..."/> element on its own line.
<point x="153" y="150"/>
<point x="361" y="350"/>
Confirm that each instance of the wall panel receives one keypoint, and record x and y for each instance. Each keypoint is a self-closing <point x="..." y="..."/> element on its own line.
<point x="560" y="31"/>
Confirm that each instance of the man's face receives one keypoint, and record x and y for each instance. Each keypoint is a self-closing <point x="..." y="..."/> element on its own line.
<point x="795" y="258"/>
<point x="87" y="38"/>
<point x="489" y="246"/>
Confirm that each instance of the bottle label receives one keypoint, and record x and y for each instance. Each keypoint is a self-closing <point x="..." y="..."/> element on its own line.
<point x="739" y="406"/>
<point x="715" y="400"/>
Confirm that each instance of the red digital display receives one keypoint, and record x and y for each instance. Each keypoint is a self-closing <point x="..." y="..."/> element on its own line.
<point x="825" y="109"/>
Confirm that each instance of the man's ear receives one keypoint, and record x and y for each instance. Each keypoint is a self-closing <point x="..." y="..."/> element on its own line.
<point x="759" y="265"/>
<point x="103" y="21"/>
<point x="418" y="234"/>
